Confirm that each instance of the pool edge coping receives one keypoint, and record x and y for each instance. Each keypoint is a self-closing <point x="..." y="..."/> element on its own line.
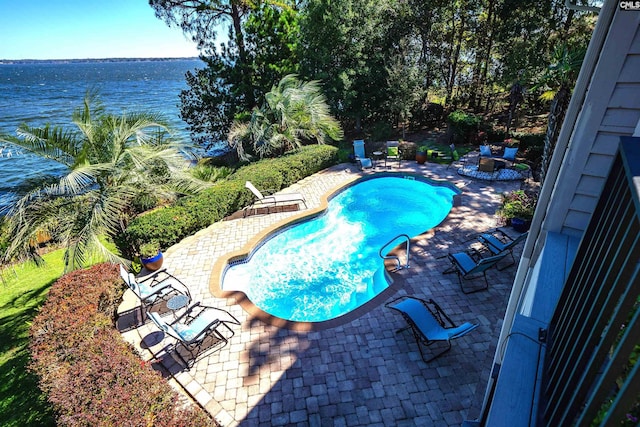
<point x="254" y="312"/>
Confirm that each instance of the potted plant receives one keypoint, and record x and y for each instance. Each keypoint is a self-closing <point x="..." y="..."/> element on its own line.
<point x="421" y="154"/>
<point x="151" y="255"/>
<point x="517" y="210"/>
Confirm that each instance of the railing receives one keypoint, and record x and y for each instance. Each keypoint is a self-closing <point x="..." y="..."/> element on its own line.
<point x="591" y="367"/>
<point x="407" y="239"/>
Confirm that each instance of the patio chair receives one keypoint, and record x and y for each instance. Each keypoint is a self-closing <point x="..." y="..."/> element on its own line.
<point x="360" y="156"/>
<point x="273" y="199"/>
<point x="197" y="330"/>
<point x="453" y="152"/>
<point x="466" y="267"/>
<point x="428" y="323"/>
<point x="499" y="242"/>
<point x="393" y="152"/>
<point x="154" y="288"/>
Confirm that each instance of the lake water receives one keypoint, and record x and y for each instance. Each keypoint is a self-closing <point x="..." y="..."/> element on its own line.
<point x="40" y="93"/>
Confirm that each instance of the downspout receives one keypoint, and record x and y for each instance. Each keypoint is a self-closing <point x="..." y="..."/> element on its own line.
<point x="535" y="241"/>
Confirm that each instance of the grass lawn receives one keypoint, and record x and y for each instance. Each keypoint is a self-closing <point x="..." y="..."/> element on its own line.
<point x="21" y="294"/>
<point x="443" y="152"/>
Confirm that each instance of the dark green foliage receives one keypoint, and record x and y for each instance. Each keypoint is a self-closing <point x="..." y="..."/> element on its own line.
<point x="530" y="146"/>
<point x="171" y="224"/>
<point x="294" y="113"/>
<point x="348" y="47"/>
<point x="208" y="106"/>
<point x="378" y="62"/>
<point x="463" y="126"/>
<point x="90" y="375"/>
<point x="381" y="131"/>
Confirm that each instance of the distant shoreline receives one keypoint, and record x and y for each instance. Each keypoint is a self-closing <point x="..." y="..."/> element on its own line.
<point x="90" y="60"/>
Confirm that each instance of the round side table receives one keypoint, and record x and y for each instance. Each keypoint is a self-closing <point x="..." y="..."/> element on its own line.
<point x="177" y="302"/>
<point x="377" y="157"/>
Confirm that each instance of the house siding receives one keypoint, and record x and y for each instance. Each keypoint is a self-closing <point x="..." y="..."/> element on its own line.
<point x="598" y="130"/>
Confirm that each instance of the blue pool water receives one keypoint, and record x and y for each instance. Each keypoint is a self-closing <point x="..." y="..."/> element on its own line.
<point x="329" y="265"/>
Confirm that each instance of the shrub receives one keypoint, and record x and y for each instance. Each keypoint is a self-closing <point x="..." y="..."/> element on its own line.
<point x="90" y="375"/>
<point x="463" y="126"/>
<point x="517" y="204"/>
<point x="171" y="224"/>
<point x="210" y="173"/>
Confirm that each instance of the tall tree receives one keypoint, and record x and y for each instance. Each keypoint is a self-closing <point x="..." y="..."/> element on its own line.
<point x="343" y="45"/>
<point x="261" y="49"/>
<point x="201" y="18"/>
<point x="111" y="161"/>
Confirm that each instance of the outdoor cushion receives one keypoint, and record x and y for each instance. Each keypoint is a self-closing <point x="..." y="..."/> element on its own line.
<point x="510" y="153"/>
<point x="485" y="150"/>
<point x="392" y="151"/>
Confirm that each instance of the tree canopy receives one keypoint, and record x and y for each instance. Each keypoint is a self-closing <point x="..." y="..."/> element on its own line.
<point x="380" y="62"/>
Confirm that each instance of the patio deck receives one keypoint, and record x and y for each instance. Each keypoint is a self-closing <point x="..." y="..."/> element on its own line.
<point x="360" y="373"/>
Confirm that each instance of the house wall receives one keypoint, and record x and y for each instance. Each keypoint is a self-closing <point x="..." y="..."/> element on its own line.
<point x="594" y="140"/>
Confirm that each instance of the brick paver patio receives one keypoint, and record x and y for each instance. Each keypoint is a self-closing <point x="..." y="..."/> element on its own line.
<point x="361" y="373"/>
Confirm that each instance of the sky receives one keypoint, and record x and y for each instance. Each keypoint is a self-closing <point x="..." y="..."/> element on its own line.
<point x="80" y="29"/>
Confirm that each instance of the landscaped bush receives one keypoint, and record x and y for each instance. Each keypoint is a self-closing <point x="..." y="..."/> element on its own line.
<point x="171" y="224"/>
<point x="517" y="204"/>
<point x="463" y="127"/>
<point x="89" y="374"/>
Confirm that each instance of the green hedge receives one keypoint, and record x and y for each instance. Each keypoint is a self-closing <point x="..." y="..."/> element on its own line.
<point x="90" y="375"/>
<point x="171" y="224"/>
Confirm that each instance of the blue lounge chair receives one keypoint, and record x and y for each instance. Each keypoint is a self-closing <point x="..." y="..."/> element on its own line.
<point x="499" y="242"/>
<point x="363" y="161"/>
<point x="197" y="329"/>
<point x="428" y="323"/>
<point x="154" y="288"/>
<point x="466" y="267"/>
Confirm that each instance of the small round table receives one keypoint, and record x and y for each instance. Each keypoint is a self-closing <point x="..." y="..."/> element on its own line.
<point x="177" y="302"/>
<point x="377" y="157"/>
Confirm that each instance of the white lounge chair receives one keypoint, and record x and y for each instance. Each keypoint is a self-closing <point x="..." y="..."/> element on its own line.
<point x="273" y="199"/>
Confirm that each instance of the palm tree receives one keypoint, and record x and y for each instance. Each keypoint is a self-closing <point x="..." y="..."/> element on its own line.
<point x="294" y="112"/>
<point x="559" y="78"/>
<point x="110" y="160"/>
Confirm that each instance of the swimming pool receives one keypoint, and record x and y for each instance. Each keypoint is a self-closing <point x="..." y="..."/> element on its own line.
<point x="328" y="265"/>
